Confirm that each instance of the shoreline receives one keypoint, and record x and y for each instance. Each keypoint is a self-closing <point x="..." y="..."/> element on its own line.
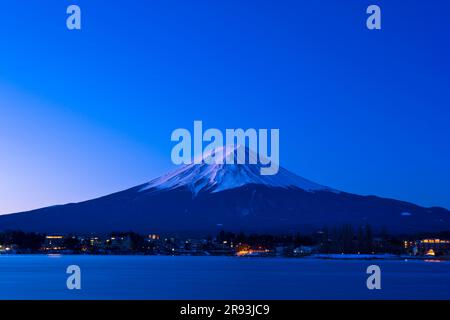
<point x="335" y="257"/>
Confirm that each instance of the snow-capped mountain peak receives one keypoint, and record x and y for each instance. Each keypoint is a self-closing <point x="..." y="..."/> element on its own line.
<point x="222" y="176"/>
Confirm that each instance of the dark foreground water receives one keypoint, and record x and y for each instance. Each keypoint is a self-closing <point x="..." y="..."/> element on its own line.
<point x="149" y="277"/>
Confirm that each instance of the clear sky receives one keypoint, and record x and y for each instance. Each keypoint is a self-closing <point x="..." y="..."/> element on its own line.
<point x="86" y="113"/>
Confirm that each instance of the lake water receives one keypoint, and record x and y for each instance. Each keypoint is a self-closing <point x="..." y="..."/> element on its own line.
<point x="153" y="277"/>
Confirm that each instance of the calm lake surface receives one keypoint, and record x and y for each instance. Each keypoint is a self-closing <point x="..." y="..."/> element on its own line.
<point x="154" y="277"/>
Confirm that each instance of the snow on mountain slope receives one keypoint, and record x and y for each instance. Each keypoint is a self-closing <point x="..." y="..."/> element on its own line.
<point x="219" y="177"/>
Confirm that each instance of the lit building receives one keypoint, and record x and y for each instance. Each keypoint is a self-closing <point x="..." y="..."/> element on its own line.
<point x="54" y="243"/>
<point x="153" y="237"/>
<point x="8" y="248"/>
<point x="245" y="250"/>
<point x="119" y="243"/>
<point x="428" y="247"/>
<point x="303" y="251"/>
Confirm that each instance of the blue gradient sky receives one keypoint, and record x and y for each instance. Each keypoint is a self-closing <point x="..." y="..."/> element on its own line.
<point x="83" y="114"/>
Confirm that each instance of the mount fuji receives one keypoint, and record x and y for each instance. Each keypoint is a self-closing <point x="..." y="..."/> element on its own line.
<point x="220" y="175"/>
<point x="200" y="199"/>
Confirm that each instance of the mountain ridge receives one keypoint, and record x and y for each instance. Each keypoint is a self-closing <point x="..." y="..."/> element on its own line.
<point x="203" y="198"/>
